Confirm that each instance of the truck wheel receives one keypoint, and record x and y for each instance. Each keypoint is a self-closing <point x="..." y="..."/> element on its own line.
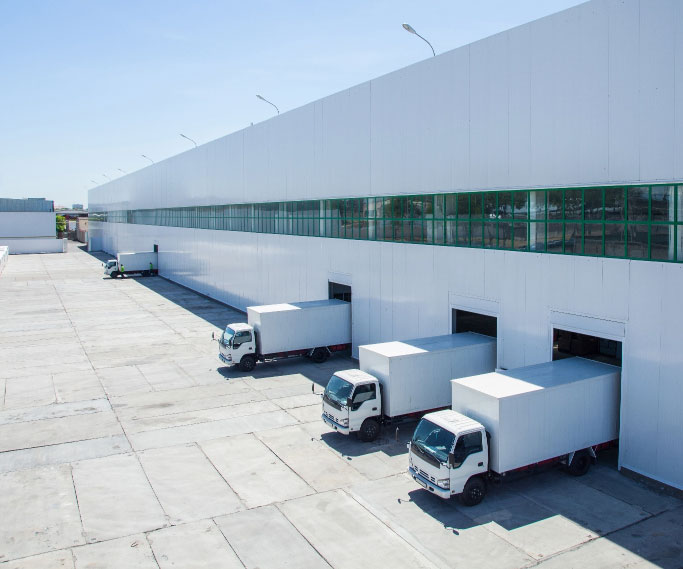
<point x="580" y="463"/>
<point x="247" y="363"/>
<point x="319" y="355"/>
<point x="369" y="430"/>
<point x="473" y="492"/>
<point x="115" y="274"/>
<point x="145" y="273"/>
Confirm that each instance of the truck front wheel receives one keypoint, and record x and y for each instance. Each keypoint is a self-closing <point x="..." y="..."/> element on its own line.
<point x="369" y="430"/>
<point x="580" y="463"/>
<point x="247" y="363"/>
<point x="473" y="492"/>
<point x="115" y="274"/>
<point x="319" y="355"/>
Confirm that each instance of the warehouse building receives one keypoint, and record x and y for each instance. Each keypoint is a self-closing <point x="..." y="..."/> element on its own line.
<point x="29" y="226"/>
<point x="528" y="186"/>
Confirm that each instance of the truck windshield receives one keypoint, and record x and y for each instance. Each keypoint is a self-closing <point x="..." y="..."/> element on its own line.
<point x="110" y="264"/>
<point x="226" y="338"/>
<point x="433" y="440"/>
<point x="338" y="390"/>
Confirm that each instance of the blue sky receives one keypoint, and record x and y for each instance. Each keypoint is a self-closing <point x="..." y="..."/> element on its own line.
<point x="86" y="86"/>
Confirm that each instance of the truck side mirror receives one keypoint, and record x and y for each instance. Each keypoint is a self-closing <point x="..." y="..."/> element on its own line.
<point x="451" y="459"/>
<point x="213" y="335"/>
<point x="349" y="401"/>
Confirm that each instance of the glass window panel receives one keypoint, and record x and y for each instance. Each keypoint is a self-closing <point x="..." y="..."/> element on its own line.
<point x="537" y="204"/>
<point x="638" y="199"/>
<point x="592" y="207"/>
<point x="520" y="240"/>
<point x="680" y="204"/>
<point x="592" y="239"/>
<point x="407" y="230"/>
<point x="439" y="237"/>
<point x="463" y="236"/>
<point x="451" y="205"/>
<point x="490" y="237"/>
<point x="505" y="234"/>
<point x="636" y="238"/>
<point x="520" y="204"/>
<point x="554" y="241"/>
<point x="505" y="205"/>
<point x="662" y="203"/>
<point x="490" y="210"/>
<point x="614" y="204"/>
<point x="537" y="236"/>
<point x="476" y="206"/>
<point x="573" y="233"/>
<point x="679" y="238"/>
<point x="450" y="232"/>
<point x="428" y="206"/>
<point x="554" y="206"/>
<point x="614" y="240"/>
<point x="573" y="204"/>
<point x="363" y="229"/>
<point x="476" y="228"/>
<point x="661" y="241"/>
<point x="464" y="206"/>
<point x="439" y="206"/>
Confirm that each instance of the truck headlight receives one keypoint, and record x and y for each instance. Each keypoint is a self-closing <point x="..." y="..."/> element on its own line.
<point x="344" y="422"/>
<point x="444" y="483"/>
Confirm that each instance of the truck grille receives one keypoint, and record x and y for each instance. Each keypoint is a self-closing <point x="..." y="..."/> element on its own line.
<point x="425" y="475"/>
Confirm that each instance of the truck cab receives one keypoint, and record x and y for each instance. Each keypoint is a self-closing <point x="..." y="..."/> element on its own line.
<point x="449" y="455"/>
<point x="352" y="402"/>
<point x="237" y="346"/>
<point x="111" y="267"/>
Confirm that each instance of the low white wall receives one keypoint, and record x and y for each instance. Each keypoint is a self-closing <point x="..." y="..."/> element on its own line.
<point x="34" y="245"/>
<point x="4" y="255"/>
<point x="27" y="224"/>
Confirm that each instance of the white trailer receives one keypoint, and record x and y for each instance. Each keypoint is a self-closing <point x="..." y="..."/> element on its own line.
<point x="315" y="329"/>
<point x="561" y="411"/>
<point x="143" y="263"/>
<point x="404" y="379"/>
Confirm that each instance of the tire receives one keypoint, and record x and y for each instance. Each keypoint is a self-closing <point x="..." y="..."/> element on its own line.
<point x="369" y="430"/>
<point x="115" y="275"/>
<point x="580" y="464"/>
<point x="145" y="273"/>
<point x="473" y="492"/>
<point x="320" y="355"/>
<point x="247" y="363"/>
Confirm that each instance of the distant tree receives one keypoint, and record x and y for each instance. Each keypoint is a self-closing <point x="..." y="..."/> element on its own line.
<point x="61" y="223"/>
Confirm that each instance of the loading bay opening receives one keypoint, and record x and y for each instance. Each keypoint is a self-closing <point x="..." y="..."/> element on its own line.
<point x="339" y="291"/>
<point x="464" y="321"/>
<point x="567" y="344"/>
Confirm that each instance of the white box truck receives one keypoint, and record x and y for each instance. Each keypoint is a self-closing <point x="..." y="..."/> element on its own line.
<point x="399" y="380"/>
<point x="314" y="329"/>
<point x="562" y="411"/>
<point x="144" y="264"/>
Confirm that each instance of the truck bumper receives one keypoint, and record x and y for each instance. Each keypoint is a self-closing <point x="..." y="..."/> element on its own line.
<point x="428" y="485"/>
<point x="225" y="360"/>
<point x="336" y="426"/>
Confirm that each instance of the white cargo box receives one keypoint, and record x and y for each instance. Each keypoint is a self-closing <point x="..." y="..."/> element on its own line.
<point x="300" y="325"/>
<point x="137" y="261"/>
<point x="542" y="411"/>
<point x="416" y="374"/>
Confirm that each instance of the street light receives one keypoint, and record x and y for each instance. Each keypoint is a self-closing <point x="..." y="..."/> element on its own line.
<point x="267" y="101"/>
<point x="94" y="182"/>
<point x="108" y="178"/>
<point x="148" y="158"/>
<point x="188" y="138"/>
<point x="409" y="28"/>
<point x="119" y="169"/>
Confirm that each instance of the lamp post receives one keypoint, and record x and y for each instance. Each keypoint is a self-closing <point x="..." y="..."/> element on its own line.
<point x="94" y="182"/>
<point x="188" y="138"/>
<point x="123" y="171"/>
<point x="108" y="178"/>
<point x="408" y="28"/>
<point x="148" y="158"/>
<point x="267" y="101"/>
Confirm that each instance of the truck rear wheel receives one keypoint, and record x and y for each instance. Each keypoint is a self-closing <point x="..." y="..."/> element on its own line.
<point x="473" y="492"/>
<point x="369" y="430"/>
<point x="580" y="463"/>
<point x="319" y="355"/>
<point x="247" y="363"/>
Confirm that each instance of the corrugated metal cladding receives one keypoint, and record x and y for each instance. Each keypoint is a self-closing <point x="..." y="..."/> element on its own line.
<point x="30" y="204"/>
<point x="592" y="96"/>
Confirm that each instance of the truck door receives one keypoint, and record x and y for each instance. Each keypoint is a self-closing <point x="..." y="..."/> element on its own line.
<point x="364" y="404"/>
<point x="468" y="458"/>
<point x="242" y="344"/>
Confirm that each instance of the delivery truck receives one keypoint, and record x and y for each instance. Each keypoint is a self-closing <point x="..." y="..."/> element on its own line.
<point x="144" y="264"/>
<point x="402" y="380"/>
<point x="504" y="422"/>
<point x="313" y="329"/>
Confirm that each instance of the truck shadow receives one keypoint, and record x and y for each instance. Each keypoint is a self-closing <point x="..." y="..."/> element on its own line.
<point x="389" y="442"/>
